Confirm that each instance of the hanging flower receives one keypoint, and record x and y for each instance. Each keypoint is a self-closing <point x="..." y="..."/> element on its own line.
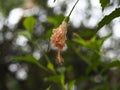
<point x="58" y="40"/>
<point x="59" y="36"/>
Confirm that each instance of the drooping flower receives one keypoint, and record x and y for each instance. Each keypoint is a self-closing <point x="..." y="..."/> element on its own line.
<point x="58" y="40"/>
<point x="59" y="36"/>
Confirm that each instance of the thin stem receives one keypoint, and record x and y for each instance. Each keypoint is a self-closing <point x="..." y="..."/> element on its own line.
<point x="45" y="56"/>
<point x="81" y="56"/>
<point x="73" y="8"/>
<point x="67" y="18"/>
<point x="42" y="67"/>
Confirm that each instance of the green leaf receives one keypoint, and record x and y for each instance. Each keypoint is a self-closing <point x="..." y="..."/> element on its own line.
<point x="57" y="20"/>
<point x="25" y="34"/>
<point x="93" y="44"/>
<point x="101" y="41"/>
<point x="51" y="66"/>
<point x="29" y="59"/>
<point x="79" y="40"/>
<point x="59" y="79"/>
<point x="29" y="23"/>
<point x="89" y="44"/>
<point x="69" y="69"/>
<point x="115" y="63"/>
<point x="49" y="88"/>
<point x="70" y="84"/>
<point x="88" y="33"/>
<point x="61" y="70"/>
<point x="104" y="3"/>
<point x="107" y="19"/>
<point x="48" y="34"/>
<point x="94" y="66"/>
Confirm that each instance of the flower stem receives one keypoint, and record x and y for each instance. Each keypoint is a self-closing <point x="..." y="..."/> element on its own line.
<point x="67" y="17"/>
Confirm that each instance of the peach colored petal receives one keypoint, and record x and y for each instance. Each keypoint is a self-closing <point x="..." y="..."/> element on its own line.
<point x="58" y="40"/>
<point x="59" y="36"/>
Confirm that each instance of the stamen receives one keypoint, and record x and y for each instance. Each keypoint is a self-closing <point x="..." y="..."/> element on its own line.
<point x="60" y="59"/>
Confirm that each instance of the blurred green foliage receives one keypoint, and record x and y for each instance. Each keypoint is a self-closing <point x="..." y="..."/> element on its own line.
<point x="84" y="67"/>
<point x="104" y="3"/>
<point x="7" y="5"/>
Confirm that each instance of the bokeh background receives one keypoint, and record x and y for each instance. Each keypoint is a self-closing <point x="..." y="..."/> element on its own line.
<point x="28" y="61"/>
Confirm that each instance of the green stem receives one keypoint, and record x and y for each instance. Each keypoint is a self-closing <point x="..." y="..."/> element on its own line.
<point x="81" y="56"/>
<point x="64" y="88"/>
<point x="67" y="17"/>
<point x="45" y="56"/>
<point x="73" y="8"/>
<point x="42" y="67"/>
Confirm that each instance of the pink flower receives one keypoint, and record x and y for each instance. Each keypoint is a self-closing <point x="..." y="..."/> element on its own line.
<point x="58" y="40"/>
